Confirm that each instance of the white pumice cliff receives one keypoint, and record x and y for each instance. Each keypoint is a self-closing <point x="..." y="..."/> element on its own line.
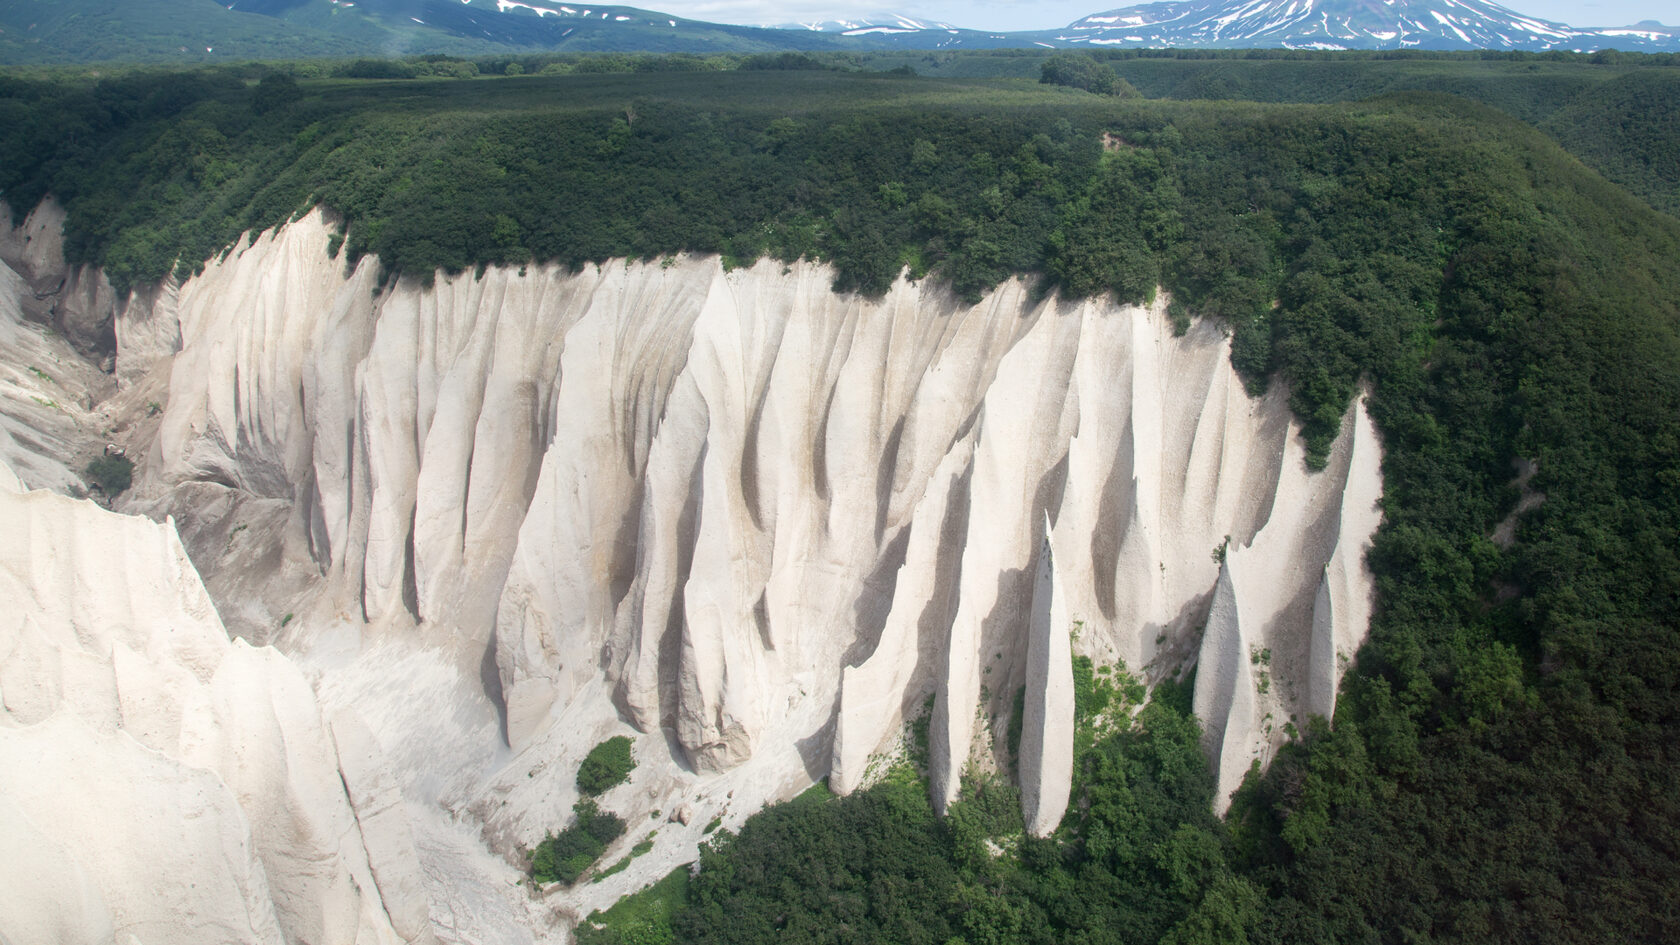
<point x="754" y="524"/>
<point x="162" y="781"/>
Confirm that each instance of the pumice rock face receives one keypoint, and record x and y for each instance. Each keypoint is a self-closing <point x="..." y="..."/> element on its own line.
<point x="752" y="509"/>
<point x="759" y="526"/>
<point x="160" y="780"/>
<point x="1046" y="760"/>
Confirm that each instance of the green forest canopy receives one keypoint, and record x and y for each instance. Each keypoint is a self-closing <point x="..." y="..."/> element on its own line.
<point x="1500" y="766"/>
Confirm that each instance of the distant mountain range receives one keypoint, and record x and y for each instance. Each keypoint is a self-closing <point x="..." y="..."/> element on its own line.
<point x="1353" y="24"/>
<point x="200" y="30"/>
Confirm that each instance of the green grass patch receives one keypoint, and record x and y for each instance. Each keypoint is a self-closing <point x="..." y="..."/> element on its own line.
<point x="817" y="793"/>
<point x="641" y="918"/>
<point x="619" y="867"/>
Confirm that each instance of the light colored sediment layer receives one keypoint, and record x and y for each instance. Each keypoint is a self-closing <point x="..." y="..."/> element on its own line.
<point x="749" y="521"/>
<point x="697" y="492"/>
<point x="106" y="840"/>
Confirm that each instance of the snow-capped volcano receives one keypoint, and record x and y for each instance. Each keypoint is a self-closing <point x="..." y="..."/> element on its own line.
<point x="1351" y="24"/>
<point x="873" y="23"/>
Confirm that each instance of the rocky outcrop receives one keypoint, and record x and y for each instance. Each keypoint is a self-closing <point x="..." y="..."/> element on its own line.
<point x="106" y="840"/>
<point x="77" y="301"/>
<point x="49" y="426"/>
<point x="1151" y="459"/>
<point x="1046" y="760"/>
<point x="161" y="782"/>
<point x="1291" y="607"/>
<point x="757" y="524"/>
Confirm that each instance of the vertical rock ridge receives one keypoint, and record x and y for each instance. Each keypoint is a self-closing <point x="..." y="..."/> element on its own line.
<point x="1277" y="610"/>
<point x="1342" y="608"/>
<point x="1046" y="758"/>
<point x="1026" y="421"/>
<point x="1224" y="697"/>
<point x="877" y="694"/>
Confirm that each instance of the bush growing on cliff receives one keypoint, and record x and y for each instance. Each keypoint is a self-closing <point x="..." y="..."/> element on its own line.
<point x="112" y="474"/>
<point x="563" y="857"/>
<point x="606" y="765"/>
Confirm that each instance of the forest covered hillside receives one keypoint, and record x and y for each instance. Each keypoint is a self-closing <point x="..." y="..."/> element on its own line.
<point x="1485" y="246"/>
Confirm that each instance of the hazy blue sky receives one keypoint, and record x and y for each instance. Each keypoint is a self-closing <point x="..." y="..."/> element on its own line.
<point x="1021" y="15"/>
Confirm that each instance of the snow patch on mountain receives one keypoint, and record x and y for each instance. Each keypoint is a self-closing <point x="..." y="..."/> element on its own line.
<point x="1352" y="24"/>
<point x="872" y="23"/>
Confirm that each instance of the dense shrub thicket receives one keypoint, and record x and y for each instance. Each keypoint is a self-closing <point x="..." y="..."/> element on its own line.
<point x="112" y="474"/>
<point x="563" y="857"/>
<point x="1500" y="768"/>
<point x="1140" y="857"/>
<point x="606" y="765"/>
